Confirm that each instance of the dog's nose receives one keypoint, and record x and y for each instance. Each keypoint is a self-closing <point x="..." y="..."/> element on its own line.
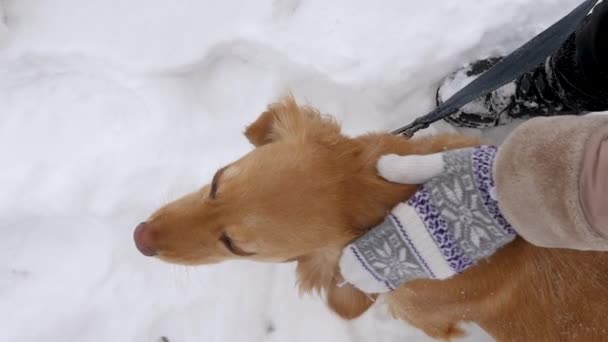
<point x="143" y="242"/>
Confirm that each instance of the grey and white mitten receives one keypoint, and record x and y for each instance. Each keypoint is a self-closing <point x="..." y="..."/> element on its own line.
<point x="451" y="222"/>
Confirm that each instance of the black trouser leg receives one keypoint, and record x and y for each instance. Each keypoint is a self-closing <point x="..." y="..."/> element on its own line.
<point x="581" y="64"/>
<point x="592" y="42"/>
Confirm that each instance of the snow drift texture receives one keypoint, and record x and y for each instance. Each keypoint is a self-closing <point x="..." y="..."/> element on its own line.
<point x="110" y="108"/>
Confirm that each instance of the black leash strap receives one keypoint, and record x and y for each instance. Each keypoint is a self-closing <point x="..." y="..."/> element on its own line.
<point x="509" y="68"/>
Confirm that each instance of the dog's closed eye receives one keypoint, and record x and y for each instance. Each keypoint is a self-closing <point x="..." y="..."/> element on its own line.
<point x="232" y="247"/>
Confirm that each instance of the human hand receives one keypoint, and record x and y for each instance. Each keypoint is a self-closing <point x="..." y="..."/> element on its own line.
<point x="452" y="222"/>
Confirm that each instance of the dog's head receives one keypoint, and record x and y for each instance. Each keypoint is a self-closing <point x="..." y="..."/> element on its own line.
<point x="301" y="195"/>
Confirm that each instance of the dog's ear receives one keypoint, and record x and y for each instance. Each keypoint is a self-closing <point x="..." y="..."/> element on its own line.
<point x="286" y="119"/>
<point x="319" y="273"/>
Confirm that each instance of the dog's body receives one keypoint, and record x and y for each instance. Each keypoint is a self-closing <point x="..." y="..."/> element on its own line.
<point x="523" y="293"/>
<point x="306" y="191"/>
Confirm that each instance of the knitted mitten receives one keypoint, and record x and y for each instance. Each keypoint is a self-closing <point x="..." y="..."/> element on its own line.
<point x="447" y="226"/>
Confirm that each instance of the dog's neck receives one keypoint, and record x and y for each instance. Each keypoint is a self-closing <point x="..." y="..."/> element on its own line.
<point x="372" y="196"/>
<point x="369" y="199"/>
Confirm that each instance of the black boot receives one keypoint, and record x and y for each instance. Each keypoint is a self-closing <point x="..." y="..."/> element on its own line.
<point x="574" y="80"/>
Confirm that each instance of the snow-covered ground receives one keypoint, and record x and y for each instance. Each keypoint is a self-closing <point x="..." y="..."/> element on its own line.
<point x="109" y="108"/>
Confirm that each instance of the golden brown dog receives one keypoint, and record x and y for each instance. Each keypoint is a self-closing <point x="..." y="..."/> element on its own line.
<point x="306" y="191"/>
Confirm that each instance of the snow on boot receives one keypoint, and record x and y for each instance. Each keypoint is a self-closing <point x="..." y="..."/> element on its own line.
<point x="535" y="93"/>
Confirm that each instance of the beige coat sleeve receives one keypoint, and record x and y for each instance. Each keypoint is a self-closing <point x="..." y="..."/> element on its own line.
<point x="552" y="181"/>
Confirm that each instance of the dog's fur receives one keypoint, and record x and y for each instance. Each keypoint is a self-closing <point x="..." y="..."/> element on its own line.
<point x="306" y="191"/>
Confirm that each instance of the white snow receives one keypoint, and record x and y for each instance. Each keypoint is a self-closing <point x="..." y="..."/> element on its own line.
<point x="110" y="108"/>
<point x="3" y="27"/>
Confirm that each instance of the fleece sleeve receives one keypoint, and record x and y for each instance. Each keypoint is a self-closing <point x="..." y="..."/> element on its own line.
<point x="552" y="181"/>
